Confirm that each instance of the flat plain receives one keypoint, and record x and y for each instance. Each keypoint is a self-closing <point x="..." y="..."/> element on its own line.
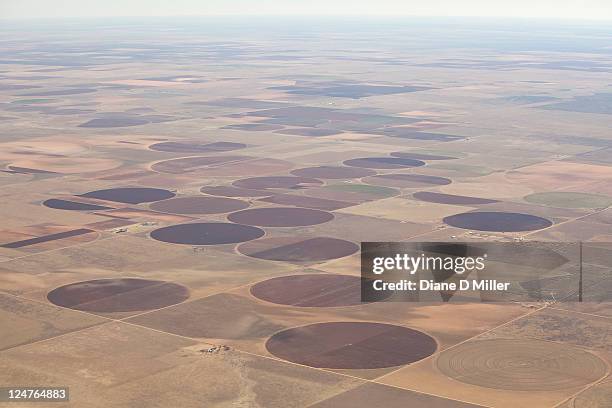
<point x="183" y="203"/>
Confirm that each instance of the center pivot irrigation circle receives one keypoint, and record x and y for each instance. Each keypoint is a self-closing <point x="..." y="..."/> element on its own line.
<point x="384" y="163"/>
<point x="497" y="221"/>
<point x="199" y="205"/>
<point x="118" y="295"/>
<point x="351" y="345"/>
<point x="313" y="290"/>
<point x="194" y="147"/>
<point x="130" y="195"/>
<point x="333" y="172"/>
<point x="521" y="365"/>
<point x="287" y="182"/>
<point x="407" y="180"/>
<point x="280" y="217"/>
<point x="298" y="249"/>
<point x="59" y="204"/>
<point x="206" y="233"/>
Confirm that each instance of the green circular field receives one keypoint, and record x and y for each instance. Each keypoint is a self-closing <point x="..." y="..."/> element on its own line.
<point x="561" y="199"/>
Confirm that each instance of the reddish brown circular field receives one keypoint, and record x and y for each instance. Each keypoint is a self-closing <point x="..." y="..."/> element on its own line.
<point x="130" y="195"/>
<point x="497" y="221"/>
<point x="73" y="205"/>
<point x="206" y="233"/>
<point x="298" y="249"/>
<point x="452" y="199"/>
<point x="280" y="217"/>
<point x="199" y="205"/>
<point x="314" y="290"/>
<point x="118" y="295"/>
<point x="351" y="345"/>
<point x="288" y="182"/>
<point x="421" y="156"/>
<point x="384" y="163"/>
<point x="230" y="191"/>
<point x="407" y="180"/>
<point x="333" y="172"/>
<point x="195" y="147"/>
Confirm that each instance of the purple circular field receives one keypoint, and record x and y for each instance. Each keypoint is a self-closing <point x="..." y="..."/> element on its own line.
<point x="118" y="295"/>
<point x="230" y="191"/>
<point x="280" y="217"/>
<point x="298" y="249"/>
<point x="351" y="345"/>
<point x="130" y="195"/>
<point x="73" y="205"/>
<point x="206" y="233"/>
<point x="440" y="198"/>
<point x="199" y="205"/>
<point x="313" y="290"/>
<point x="384" y="163"/>
<point x="497" y="221"/>
<point x="333" y="172"/>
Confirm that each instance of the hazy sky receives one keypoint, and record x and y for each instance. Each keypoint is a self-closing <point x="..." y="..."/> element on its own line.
<point x="584" y="9"/>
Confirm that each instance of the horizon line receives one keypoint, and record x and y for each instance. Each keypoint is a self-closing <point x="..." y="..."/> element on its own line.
<point x="372" y="17"/>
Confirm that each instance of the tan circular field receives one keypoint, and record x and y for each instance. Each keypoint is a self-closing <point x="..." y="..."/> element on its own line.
<point x="67" y="165"/>
<point x="521" y="365"/>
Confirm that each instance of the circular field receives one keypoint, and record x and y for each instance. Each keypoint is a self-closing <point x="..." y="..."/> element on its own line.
<point x="280" y="217"/>
<point x="314" y="290"/>
<point x="351" y="345"/>
<point x="118" y="295"/>
<point x="384" y="163"/>
<point x="407" y="180"/>
<point x="242" y="168"/>
<point x="230" y="191"/>
<point x="298" y="249"/>
<point x="205" y="233"/>
<point x="521" y="365"/>
<point x="452" y="199"/>
<point x="193" y="165"/>
<point x="130" y="195"/>
<point x="65" y="165"/>
<point x="421" y="156"/>
<point x="73" y="205"/>
<point x="497" y="221"/>
<point x="333" y="172"/>
<point x="194" y="147"/>
<point x="199" y="205"/>
<point x="569" y="200"/>
<point x="288" y="182"/>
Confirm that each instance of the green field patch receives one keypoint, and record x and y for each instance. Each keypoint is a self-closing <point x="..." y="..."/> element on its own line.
<point x="364" y="188"/>
<point x="33" y="101"/>
<point x="562" y="199"/>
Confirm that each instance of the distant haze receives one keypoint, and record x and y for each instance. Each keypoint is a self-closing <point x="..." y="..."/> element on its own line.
<point x="562" y="9"/>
